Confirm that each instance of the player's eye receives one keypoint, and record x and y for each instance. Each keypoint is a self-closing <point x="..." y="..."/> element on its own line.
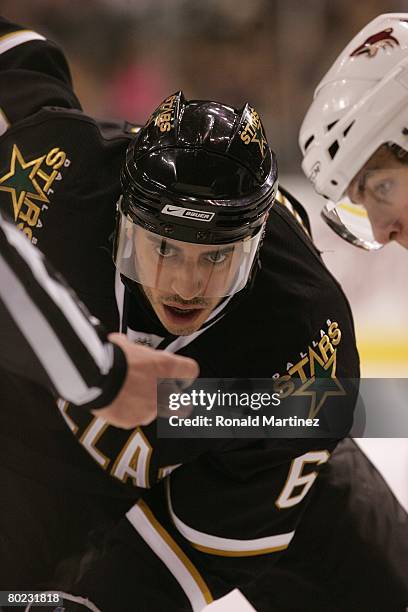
<point x="217" y="257"/>
<point x="165" y="250"/>
<point x="383" y="188"/>
<point x="373" y="189"/>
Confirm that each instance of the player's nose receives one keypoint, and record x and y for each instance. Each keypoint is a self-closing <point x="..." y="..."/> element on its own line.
<point x="389" y="232"/>
<point x="187" y="283"/>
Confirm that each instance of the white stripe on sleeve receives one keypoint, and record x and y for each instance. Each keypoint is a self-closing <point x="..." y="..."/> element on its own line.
<point x="42" y="339"/>
<point x="8" y="41"/>
<point x="227" y="546"/>
<point x="61" y="297"/>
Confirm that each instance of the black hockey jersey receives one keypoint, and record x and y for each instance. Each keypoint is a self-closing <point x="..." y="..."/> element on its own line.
<point x="59" y="179"/>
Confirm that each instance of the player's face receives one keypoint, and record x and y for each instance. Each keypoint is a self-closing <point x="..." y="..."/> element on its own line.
<point x="381" y="187"/>
<point x="186" y="279"/>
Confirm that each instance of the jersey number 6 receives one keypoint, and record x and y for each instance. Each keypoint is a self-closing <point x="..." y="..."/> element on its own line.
<point x="297" y="479"/>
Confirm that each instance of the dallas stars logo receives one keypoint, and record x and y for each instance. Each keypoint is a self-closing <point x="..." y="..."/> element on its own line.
<point x="321" y="384"/>
<point x="314" y="375"/>
<point x="163" y="116"/>
<point x="29" y="183"/>
<point x="20" y="180"/>
<point x="253" y="131"/>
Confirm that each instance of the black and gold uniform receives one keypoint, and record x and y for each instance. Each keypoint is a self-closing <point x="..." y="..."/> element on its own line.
<point x="183" y="521"/>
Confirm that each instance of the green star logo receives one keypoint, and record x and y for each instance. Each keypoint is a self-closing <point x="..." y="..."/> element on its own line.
<point x="20" y="180"/>
<point x="321" y="384"/>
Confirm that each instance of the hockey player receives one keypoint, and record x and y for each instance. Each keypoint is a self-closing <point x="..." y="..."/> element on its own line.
<point x="354" y="138"/>
<point x="66" y="350"/>
<point x="192" y="276"/>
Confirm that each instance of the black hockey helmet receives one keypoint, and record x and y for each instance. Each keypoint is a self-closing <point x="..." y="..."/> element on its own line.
<point x="198" y="173"/>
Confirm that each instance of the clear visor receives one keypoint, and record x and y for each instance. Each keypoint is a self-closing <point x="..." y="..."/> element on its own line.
<point x="351" y="222"/>
<point x="175" y="267"/>
<point x="374" y="210"/>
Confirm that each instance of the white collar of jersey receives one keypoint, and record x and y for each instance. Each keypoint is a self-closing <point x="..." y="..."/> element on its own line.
<point x="152" y="339"/>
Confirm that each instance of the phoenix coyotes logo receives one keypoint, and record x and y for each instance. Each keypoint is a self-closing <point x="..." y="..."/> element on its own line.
<point x="29" y="185"/>
<point x="380" y="40"/>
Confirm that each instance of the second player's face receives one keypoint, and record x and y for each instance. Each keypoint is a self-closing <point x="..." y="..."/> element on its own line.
<point x="381" y="187"/>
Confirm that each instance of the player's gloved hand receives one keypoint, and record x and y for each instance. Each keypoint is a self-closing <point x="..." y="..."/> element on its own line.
<point x="136" y="402"/>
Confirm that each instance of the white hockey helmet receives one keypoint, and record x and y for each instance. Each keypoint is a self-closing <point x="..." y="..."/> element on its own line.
<point x="360" y="105"/>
